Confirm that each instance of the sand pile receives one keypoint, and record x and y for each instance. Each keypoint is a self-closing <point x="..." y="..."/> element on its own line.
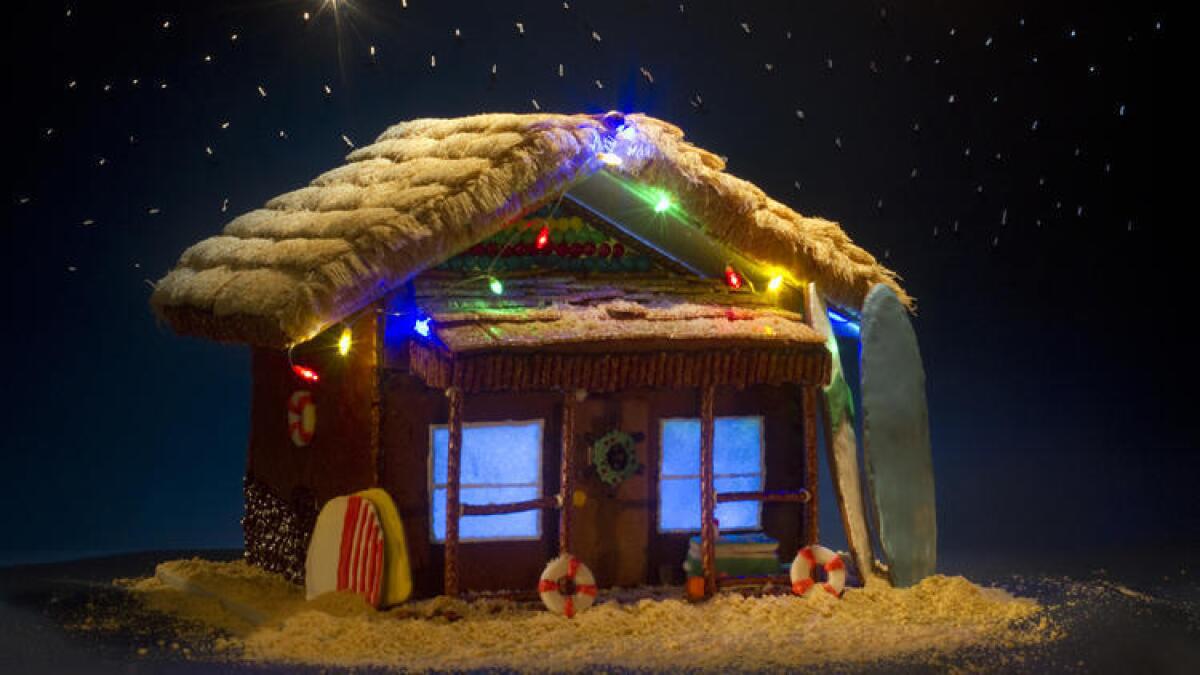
<point x="259" y="617"/>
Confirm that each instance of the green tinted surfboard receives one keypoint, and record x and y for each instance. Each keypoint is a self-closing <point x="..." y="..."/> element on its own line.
<point x="896" y="447"/>
<point x="841" y="444"/>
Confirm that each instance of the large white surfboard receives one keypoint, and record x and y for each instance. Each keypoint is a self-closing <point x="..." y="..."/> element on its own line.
<point x="841" y="445"/>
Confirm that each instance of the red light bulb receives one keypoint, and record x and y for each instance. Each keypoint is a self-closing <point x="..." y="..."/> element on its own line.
<point x="732" y="278"/>
<point x="306" y="373"/>
<point x="543" y="238"/>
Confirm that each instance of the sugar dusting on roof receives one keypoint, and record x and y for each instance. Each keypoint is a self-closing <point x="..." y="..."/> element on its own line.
<point x="428" y="188"/>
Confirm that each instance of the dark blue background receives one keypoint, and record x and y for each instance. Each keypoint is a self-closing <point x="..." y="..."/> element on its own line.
<point x="1059" y="383"/>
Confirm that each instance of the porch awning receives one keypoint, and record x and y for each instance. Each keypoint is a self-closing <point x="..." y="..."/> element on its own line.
<point x="609" y="334"/>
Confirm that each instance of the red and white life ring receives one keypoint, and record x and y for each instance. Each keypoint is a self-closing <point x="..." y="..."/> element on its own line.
<point x="567" y="586"/>
<point x="302" y="417"/>
<point x="806" y="562"/>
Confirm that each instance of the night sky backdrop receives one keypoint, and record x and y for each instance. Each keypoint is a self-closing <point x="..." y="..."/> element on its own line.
<point x="1007" y="158"/>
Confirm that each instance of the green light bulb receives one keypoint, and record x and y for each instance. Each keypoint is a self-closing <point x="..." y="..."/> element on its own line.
<point x="496" y="286"/>
<point x="663" y="203"/>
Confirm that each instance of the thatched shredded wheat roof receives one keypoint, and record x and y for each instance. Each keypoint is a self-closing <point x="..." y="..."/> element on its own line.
<point x="427" y="189"/>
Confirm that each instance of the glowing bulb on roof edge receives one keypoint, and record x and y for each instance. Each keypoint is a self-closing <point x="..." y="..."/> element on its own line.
<point x="662" y="204"/>
<point x="496" y="286"/>
<point x="344" y="342"/>
<point x="306" y="373"/>
<point x="421" y="327"/>
<point x="775" y="284"/>
<point x="732" y="278"/>
<point x="543" y="238"/>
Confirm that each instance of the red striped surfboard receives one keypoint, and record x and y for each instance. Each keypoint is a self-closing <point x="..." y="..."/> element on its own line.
<point x="346" y="551"/>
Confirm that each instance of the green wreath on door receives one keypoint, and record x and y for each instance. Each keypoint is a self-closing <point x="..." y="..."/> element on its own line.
<point x="614" y="456"/>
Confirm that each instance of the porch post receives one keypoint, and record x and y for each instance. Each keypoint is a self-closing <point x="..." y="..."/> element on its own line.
<point x="810" y="463"/>
<point x="566" y="491"/>
<point x="453" y="479"/>
<point x="708" y="529"/>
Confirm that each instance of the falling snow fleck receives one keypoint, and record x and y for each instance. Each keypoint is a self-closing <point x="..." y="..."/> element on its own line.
<point x="950" y="99"/>
<point x="349" y="143"/>
<point x="646" y="74"/>
<point x="1004" y="217"/>
<point x="595" y="36"/>
<point x="433" y="60"/>
<point x="261" y="91"/>
<point x="560" y="70"/>
<point x="224" y="205"/>
<point x="520" y="28"/>
<point x="745" y="28"/>
<point x="800" y="115"/>
<point x="599" y="84"/>
<point x="328" y="90"/>
<point x="535" y="104"/>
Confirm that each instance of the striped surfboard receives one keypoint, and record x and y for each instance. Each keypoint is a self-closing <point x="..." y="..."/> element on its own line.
<point x="347" y="550"/>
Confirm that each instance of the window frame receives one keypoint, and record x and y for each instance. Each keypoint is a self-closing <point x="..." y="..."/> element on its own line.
<point x="539" y="487"/>
<point x="762" y="463"/>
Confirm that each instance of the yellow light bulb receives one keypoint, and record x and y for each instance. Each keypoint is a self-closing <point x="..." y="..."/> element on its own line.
<point x="344" y="342"/>
<point x="775" y="283"/>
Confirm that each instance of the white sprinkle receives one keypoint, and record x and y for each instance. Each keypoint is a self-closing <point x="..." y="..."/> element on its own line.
<point x="646" y="74"/>
<point x="153" y="210"/>
<point x="107" y="87"/>
<point x="1034" y="126"/>
<point x="166" y="24"/>
<point x="1004" y="216"/>
<point x="800" y="114"/>
<point x="208" y="150"/>
<point x="935" y="230"/>
<point x="225" y="125"/>
<point x="403" y="4"/>
<point x="371" y="51"/>
<point x="87" y="221"/>
<point x="988" y="41"/>
<point x="233" y="37"/>
<point x="838" y="142"/>
<point x="956" y="226"/>
<point x="1079" y="211"/>
<point x="953" y="32"/>
<point x="595" y="36"/>
<point x="520" y="28"/>
<point x="995" y="241"/>
<point x="681" y="8"/>
<point x="101" y="162"/>
<point x="328" y="90"/>
<point x="879" y="204"/>
<point x="133" y="82"/>
<point x="349" y="143"/>
<point x="1121" y="110"/>
<point x="71" y="268"/>
<point x="262" y="92"/>
<point x="162" y="85"/>
<point x="307" y="16"/>
<point x="1071" y="33"/>
<point x="829" y="62"/>
<point x="535" y="104"/>
<point x="796" y="184"/>
<point x="787" y="35"/>
<point x="224" y="205"/>
<point x="493" y="70"/>
<point x="599" y="84"/>
<point x="208" y="58"/>
<point x="433" y="60"/>
<point x="71" y="84"/>
<point x="967" y="151"/>
<point x="560" y="70"/>
<point x="457" y="34"/>
<point x="746" y="27"/>
<point x="950" y="99"/>
<point x="769" y="66"/>
<point x="283" y="134"/>
<point x="913" y="173"/>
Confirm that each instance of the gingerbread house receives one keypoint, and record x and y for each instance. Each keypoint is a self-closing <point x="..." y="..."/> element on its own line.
<point x="537" y="333"/>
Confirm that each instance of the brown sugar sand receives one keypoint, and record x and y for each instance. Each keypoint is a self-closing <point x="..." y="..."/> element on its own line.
<point x="257" y="616"/>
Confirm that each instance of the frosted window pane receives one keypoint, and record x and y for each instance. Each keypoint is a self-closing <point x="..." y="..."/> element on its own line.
<point x="441" y="437"/>
<point x="735" y="515"/>
<point x="737" y="445"/>
<point x="502" y="453"/>
<point x="737" y="449"/>
<point x="504" y="462"/>
<point x="508" y="525"/>
<point x="680" y="505"/>
<point x="681" y="447"/>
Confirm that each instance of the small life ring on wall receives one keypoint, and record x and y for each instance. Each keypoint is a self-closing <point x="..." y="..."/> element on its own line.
<point x="614" y="457"/>
<point x="567" y="586"/>
<point x="302" y="417"/>
<point x="806" y="562"/>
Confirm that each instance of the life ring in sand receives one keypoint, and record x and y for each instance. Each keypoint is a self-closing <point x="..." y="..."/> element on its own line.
<point x="567" y="586"/>
<point x="302" y="417"/>
<point x="807" y="561"/>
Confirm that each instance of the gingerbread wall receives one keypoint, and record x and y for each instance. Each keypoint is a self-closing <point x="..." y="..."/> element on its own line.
<point x="285" y="483"/>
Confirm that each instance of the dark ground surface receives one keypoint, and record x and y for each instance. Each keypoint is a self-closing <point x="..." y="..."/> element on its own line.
<point x="1135" y="613"/>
